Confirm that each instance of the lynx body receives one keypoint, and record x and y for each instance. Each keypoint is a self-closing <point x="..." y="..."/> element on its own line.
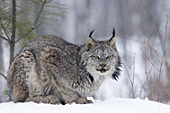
<point x="52" y="70"/>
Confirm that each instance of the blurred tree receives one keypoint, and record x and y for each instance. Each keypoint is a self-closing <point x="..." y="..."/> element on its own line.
<point x="26" y="16"/>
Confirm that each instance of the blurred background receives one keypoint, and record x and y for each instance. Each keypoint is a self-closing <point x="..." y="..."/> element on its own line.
<point x="142" y="32"/>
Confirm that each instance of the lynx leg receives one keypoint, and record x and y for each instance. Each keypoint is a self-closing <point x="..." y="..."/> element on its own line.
<point x="44" y="99"/>
<point x="19" y="94"/>
<point x="20" y="72"/>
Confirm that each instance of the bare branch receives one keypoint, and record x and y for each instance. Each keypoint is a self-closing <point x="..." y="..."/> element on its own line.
<point x="162" y="62"/>
<point x="149" y="60"/>
<point x="3" y="76"/>
<point x="4" y="38"/>
<point x="147" y="75"/>
<point x="145" y="56"/>
<point x="165" y="40"/>
<point x="133" y="67"/>
<point x="146" y="72"/>
<point x="166" y="68"/>
<point x="127" y="72"/>
<point x="4" y="30"/>
<point x="157" y="56"/>
<point x="133" y="80"/>
<point x="39" y="13"/>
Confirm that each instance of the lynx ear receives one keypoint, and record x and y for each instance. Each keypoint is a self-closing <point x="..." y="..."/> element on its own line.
<point x="112" y="41"/>
<point x="90" y="41"/>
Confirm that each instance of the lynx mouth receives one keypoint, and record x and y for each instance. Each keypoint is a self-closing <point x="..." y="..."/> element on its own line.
<point x="102" y="70"/>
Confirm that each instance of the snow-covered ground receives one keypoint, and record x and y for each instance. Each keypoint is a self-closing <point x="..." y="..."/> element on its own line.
<point x="114" y="105"/>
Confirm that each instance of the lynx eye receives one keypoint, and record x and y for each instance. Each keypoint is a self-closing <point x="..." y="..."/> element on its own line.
<point x="96" y="57"/>
<point x="109" y="57"/>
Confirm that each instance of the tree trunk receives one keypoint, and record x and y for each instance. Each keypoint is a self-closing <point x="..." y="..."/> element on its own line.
<point x="12" y="42"/>
<point x="1" y="57"/>
<point x="1" y="64"/>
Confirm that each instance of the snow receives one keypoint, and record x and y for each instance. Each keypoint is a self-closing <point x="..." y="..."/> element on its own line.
<point x="113" y="105"/>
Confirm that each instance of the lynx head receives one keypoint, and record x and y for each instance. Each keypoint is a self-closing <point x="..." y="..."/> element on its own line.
<point x="101" y="57"/>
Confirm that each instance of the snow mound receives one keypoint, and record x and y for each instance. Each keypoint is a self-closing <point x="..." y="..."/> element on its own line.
<point x="114" y="105"/>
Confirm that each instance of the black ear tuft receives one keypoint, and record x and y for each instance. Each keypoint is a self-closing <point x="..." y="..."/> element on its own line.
<point x="113" y="33"/>
<point x="91" y="33"/>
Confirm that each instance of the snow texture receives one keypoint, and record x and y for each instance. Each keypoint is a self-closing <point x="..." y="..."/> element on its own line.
<point x="114" y="105"/>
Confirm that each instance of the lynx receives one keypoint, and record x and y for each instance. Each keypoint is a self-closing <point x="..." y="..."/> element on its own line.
<point x="52" y="70"/>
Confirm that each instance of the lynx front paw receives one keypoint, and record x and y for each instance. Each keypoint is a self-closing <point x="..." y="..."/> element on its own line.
<point x="36" y="99"/>
<point x="51" y="100"/>
<point x="83" y="101"/>
<point x="44" y="99"/>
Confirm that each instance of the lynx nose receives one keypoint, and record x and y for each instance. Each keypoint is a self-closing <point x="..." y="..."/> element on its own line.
<point x="103" y="65"/>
